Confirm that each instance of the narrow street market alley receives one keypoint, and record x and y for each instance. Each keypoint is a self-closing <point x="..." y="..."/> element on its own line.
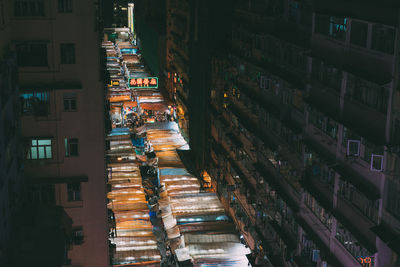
<point x="159" y="214"/>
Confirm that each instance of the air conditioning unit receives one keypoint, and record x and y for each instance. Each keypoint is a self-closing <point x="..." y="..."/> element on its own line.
<point x="353" y="148"/>
<point x="376" y="163"/>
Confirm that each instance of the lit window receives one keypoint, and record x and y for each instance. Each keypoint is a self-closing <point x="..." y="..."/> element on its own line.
<point x="74" y="192"/>
<point x="40" y="149"/>
<point x="335" y="27"/>
<point x="70" y="101"/>
<point x="71" y="147"/>
<point x="35" y="103"/>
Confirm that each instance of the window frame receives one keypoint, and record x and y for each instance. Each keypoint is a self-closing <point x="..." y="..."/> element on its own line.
<point x="27" y="57"/>
<point x="73" y="193"/>
<point x="30" y="99"/>
<point x="65" y="6"/>
<point x="70" y="98"/>
<point x="66" y="52"/>
<point x="68" y="142"/>
<point x="38" y="5"/>
<point x="77" y="239"/>
<point x="45" y="146"/>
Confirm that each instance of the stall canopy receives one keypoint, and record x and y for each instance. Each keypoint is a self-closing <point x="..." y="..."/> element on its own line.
<point x="154" y="106"/>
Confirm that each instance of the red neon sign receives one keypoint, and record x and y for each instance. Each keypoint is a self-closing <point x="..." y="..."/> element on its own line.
<point x="147" y="82"/>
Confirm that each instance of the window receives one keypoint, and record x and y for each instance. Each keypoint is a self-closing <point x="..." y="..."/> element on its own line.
<point x="74" y="192"/>
<point x="325" y="124"/>
<point x="367" y="93"/>
<point x="334" y="27"/>
<point x="64" y="6"/>
<point x="349" y="135"/>
<point x="383" y="38"/>
<point x="70" y="102"/>
<point x="359" y="32"/>
<point x="348" y="240"/>
<point x="42" y="193"/>
<point x="369" y="150"/>
<point x="294" y="11"/>
<point x="71" y="147"/>
<point x="327" y="74"/>
<point x="39" y="149"/>
<point x="31" y="8"/>
<point x="324" y="216"/>
<point x="393" y="197"/>
<point x="367" y="207"/>
<point x="77" y="235"/>
<point x="67" y="53"/>
<point x="31" y="54"/>
<point x="2" y="17"/>
<point x="34" y="103"/>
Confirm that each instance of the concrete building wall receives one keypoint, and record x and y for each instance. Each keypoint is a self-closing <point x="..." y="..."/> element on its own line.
<point x="79" y="80"/>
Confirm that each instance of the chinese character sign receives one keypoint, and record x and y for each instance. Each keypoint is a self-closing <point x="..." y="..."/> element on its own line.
<point x="146" y="82"/>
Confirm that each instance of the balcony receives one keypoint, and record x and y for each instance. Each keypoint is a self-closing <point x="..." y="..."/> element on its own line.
<point x="288" y="194"/>
<point x="382" y="13"/>
<point x="324" y="100"/>
<point x="251" y="123"/>
<point x="346" y="171"/>
<point x="343" y="212"/>
<point x="270" y="104"/>
<point x="284" y="30"/>
<point x="322" y="245"/>
<point x="360" y="118"/>
<point x="297" y="80"/>
<point x="367" y="65"/>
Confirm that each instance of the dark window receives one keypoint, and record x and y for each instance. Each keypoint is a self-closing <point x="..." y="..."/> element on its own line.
<point x="71" y="147"/>
<point x="359" y="32"/>
<point x="39" y="149"/>
<point x="74" y="192"/>
<point x="393" y="197"/>
<point x="370" y="149"/>
<point x="29" y="8"/>
<point x="31" y="55"/>
<point x="35" y="103"/>
<point x="326" y="74"/>
<point x="42" y="193"/>
<point x="367" y="93"/>
<point x="293" y="11"/>
<point x="77" y="235"/>
<point x="67" y="53"/>
<point x="383" y="39"/>
<point x="64" y="6"/>
<point x="70" y="102"/>
<point x="2" y="18"/>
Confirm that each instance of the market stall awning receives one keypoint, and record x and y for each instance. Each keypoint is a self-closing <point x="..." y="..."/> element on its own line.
<point x="154" y="106"/>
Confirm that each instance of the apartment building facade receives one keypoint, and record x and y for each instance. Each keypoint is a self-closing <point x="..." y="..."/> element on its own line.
<point x="62" y="115"/>
<point x="177" y="81"/>
<point x="11" y="156"/>
<point x="304" y="126"/>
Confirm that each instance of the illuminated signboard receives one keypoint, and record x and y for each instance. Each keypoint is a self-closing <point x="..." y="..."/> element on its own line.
<point x="145" y="82"/>
<point x="113" y="83"/>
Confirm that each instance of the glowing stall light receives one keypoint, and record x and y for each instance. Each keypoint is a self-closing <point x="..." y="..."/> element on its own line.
<point x="140" y="243"/>
<point x="136" y="248"/>
<point x="182" y="186"/>
<point x="184" y="192"/>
